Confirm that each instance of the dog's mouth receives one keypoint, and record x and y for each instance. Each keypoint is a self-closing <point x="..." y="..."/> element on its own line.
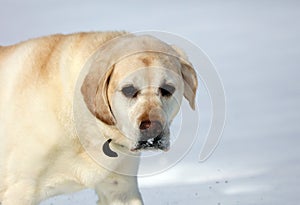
<point x="160" y="142"/>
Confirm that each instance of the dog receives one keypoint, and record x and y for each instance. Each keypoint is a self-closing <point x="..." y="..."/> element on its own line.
<point x="64" y="96"/>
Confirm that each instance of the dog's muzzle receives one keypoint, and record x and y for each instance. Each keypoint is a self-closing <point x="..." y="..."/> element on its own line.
<point x="153" y="135"/>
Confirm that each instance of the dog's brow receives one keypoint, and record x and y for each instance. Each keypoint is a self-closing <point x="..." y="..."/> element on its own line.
<point x="168" y="82"/>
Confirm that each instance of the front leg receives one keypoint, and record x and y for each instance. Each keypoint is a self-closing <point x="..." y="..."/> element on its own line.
<point x="19" y="193"/>
<point x="119" y="190"/>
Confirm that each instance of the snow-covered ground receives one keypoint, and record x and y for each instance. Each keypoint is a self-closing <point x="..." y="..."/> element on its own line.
<point x="255" y="46"/>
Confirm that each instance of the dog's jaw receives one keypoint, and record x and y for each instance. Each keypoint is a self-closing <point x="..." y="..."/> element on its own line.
<point x="161" y="142"/>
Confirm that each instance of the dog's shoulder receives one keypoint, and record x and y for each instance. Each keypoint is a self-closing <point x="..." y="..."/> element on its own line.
<point x="46" y="67"/>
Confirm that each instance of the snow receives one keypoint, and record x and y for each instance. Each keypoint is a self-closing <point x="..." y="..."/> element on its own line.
<point x="255" y="46"/>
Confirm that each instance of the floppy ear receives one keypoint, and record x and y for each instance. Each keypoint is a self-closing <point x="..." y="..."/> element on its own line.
<point x="94" y="91"/>
<point x="189" y="76"/>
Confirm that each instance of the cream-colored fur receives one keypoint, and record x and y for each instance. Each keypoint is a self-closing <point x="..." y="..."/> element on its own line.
<point x="40" y="151"/>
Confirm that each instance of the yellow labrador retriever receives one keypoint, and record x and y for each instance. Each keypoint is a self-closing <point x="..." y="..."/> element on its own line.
<point x="133" y="89"/>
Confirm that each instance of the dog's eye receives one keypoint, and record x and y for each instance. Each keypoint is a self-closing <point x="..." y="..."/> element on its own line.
<point x="166" y="90"/>
<point x="130" y="91"/>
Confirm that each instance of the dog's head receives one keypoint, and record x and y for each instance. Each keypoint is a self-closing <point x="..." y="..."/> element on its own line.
<point x="137" y="86"/>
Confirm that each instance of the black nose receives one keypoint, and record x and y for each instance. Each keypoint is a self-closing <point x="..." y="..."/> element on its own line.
<point x="150" y="129"/>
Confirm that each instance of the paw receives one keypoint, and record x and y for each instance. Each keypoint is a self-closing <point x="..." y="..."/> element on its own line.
<point x="131" y="202"/>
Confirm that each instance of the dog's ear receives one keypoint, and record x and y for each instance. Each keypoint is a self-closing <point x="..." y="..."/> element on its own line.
<point x="95" y="85"/>
<point x="189" y="76"/>
<point x="94" y="91"/>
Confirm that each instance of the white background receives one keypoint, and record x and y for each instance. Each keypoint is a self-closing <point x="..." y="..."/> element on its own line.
<point x="256" y="49"/>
